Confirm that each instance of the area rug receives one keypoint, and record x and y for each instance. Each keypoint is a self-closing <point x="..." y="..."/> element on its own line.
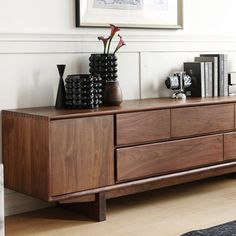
<point x="227" y="229"/>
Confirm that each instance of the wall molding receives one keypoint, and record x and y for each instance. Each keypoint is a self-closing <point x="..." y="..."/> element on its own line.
<point x="92" y="37"/>
<point x="55" y="43"/>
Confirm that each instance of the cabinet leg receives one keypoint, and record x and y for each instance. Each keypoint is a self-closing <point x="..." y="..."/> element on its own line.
<point x="95" y="210"/>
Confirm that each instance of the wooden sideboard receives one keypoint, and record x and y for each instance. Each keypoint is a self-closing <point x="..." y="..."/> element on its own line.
<point x="80" y="158"/>
<point x="2" y="216"/>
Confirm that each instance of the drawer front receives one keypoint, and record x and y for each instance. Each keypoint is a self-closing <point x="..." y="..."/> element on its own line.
<point x="82" y="154"/>
<point x="154" y="159"/>
<point x="139" y="127"/>
<point x="201" y="120"/>
<point x="230" y="146"/>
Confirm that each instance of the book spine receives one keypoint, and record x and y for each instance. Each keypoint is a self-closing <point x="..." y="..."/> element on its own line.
<point x="226" y="85"/>
<point x="221" y="73"/>
<point x="207" y="89"/>
<point x="203" y="93"/>
<point x="216" y="77"/>
<point x="210" y="79"/>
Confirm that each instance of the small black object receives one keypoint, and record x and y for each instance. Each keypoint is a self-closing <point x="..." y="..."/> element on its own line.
<point x="61" y="93"/>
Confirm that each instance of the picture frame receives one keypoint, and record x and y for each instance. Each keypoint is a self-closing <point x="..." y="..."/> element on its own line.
<point x="149" y="14"/>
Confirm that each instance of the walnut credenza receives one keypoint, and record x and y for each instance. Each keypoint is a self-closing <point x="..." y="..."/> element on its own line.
<point x="80" y="158"/>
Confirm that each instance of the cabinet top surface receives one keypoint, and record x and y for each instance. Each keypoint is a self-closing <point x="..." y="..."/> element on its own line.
<point x="127" y="106"/>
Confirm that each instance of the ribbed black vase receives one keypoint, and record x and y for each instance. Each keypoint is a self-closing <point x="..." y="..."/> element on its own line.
<point x="104" y="65"/>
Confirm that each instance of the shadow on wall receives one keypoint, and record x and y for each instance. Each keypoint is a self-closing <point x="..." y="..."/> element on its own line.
<point x="35" y="93"/>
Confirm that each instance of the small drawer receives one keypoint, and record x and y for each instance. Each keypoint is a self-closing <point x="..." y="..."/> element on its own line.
<point x="154" y="159"/>
<point x="201" y="120"/>
<point x="230" y="146"/>
<point x="140" y="127"/>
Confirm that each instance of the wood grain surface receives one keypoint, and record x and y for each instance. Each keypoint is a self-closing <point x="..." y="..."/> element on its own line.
<point x="82" y="155"/>
<point x="140" y="127"/>
<point x="126" y="106"/>
<point x="201" y="120"/>
<point x="1" y="202"/>
<point x="230" y="146"/>
<point x="26" y="154"/>
<point x="156" y="182"/>
<point x="155" y="159"/>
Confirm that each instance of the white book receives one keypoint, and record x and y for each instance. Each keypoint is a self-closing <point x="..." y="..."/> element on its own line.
<point x="215" y="77"/>
<point x="225" y="76"/>
<point x="210" y="81"/>
<point x="203" y="90"/>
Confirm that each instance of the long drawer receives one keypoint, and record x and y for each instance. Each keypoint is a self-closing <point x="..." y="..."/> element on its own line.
<point x="154" y="159"/>
<point x="140" y="127"/>
<point x="201" y="120"/>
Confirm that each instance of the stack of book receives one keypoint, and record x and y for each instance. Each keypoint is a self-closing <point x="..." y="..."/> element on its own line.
<point x="209" y="74"/>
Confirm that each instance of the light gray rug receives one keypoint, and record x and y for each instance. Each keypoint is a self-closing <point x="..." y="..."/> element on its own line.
<point x="228" y="229"/>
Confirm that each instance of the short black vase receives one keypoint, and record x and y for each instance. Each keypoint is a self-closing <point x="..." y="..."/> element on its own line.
<point x="104" y="65"/>
<point x="83" y="91"/>
<point x="61" y="93"/>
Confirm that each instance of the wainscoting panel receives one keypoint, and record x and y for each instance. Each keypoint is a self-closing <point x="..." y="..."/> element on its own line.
<point x="156" y="66"/>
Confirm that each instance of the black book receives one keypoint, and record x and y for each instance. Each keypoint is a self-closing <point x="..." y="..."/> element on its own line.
<point x="197" y="72"/>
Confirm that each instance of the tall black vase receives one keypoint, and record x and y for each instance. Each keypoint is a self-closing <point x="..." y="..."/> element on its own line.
<point x="104" y="65"/>
<point x="61" y="93"/>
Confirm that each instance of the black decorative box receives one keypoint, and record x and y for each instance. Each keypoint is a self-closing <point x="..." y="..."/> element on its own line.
<point x="83" y="91"/>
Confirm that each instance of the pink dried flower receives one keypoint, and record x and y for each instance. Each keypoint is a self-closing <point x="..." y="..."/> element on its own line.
<point x="114" y="29"/>
<point x="104" y="40"/>
<point x="107" y="41"/>
<point x="120" y="44"/>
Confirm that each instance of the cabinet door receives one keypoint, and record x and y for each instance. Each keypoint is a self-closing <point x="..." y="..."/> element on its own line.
<point x="82" y="154"/>
<point x="202" y="120"/>
<point x="230" y="146"/>
<point x="160" y="158"/>
<point x="140" y="127"/>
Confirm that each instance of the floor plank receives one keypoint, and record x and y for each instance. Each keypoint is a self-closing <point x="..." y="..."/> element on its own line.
<point x="166" y="212"/>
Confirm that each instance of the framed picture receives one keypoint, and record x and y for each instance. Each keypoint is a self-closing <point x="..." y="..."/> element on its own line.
<point x="167" y="14"/>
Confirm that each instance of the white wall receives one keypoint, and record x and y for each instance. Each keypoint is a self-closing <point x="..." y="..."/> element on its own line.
<point x="35" y="35"/>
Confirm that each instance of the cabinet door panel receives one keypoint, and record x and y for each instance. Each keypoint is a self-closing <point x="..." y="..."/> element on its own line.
<point x="140" y="127"/>
<point x="201" y="120"/>
<point x="230" y="146"/>
<point x="82" y="155"/>
<point x="155" y="159"/>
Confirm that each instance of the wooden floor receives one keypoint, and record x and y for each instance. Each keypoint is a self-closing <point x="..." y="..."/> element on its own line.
<point x="167" y="212"/>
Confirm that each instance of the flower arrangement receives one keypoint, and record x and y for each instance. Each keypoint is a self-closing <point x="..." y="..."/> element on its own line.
<point x="107" y="41"/>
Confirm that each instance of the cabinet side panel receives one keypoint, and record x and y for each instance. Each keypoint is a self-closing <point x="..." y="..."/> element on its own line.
<point x="82" y="154"/>
<point x="26" y="153"/>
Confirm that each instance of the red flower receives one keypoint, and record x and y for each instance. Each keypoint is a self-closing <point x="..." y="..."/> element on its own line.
<point x="114" y="29"/>
<point x="104" y="40"/>
<point x="120" y="44"/>
<point x="107" y="41"/>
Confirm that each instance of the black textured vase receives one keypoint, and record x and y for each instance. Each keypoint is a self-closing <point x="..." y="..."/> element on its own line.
<point x="104" y="65"/>
<point x="83" y="91"/>
<point x="61" y="94"/>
